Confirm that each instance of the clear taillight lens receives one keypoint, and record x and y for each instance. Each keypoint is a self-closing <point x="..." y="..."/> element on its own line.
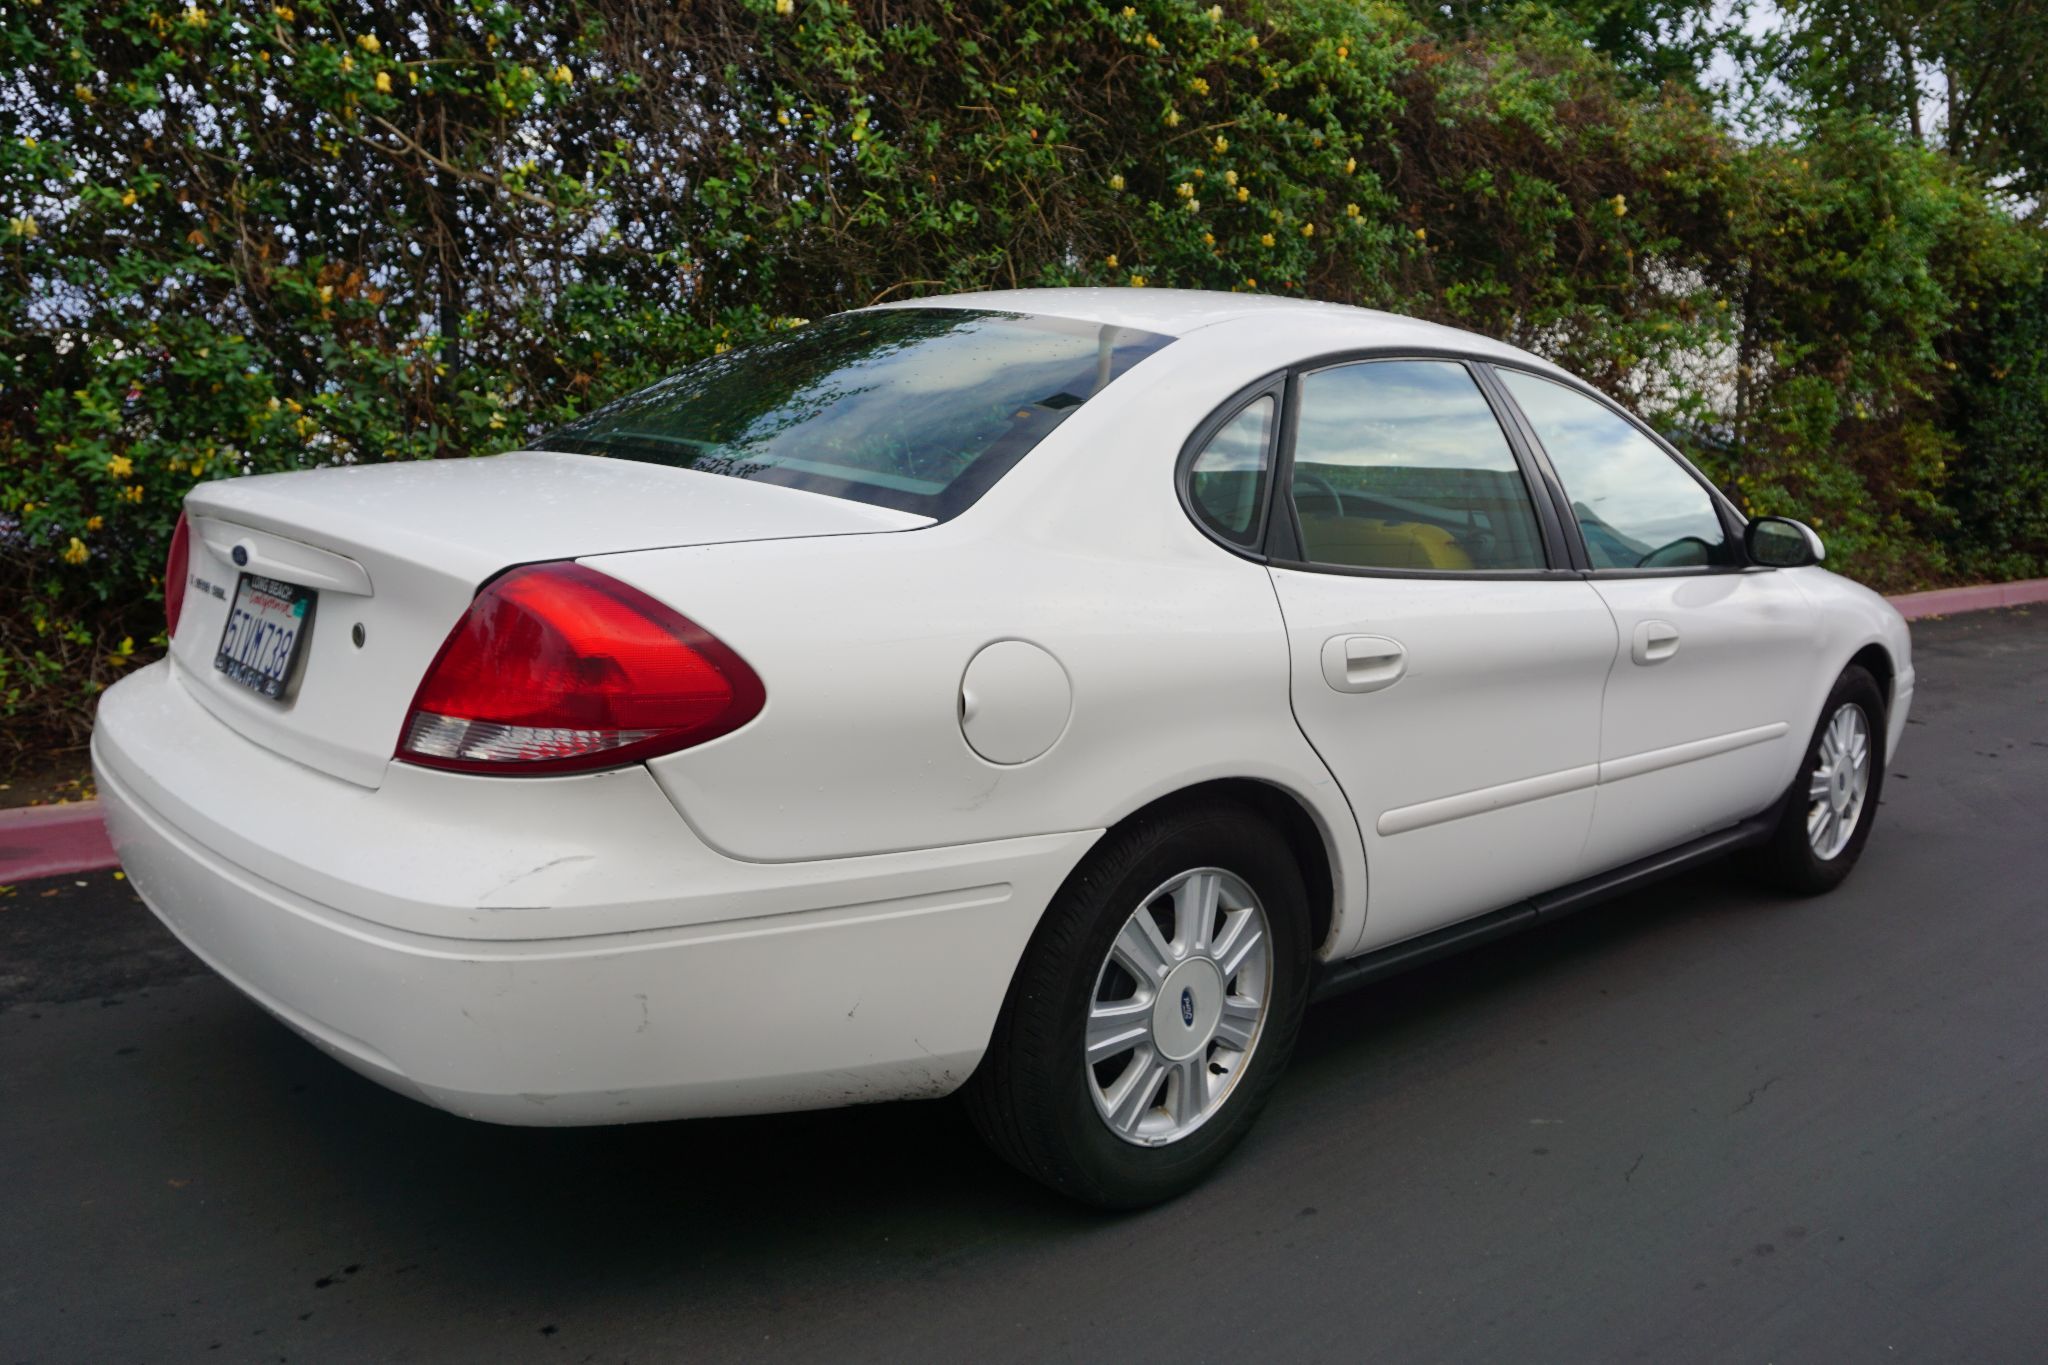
<point x="559" y="668"/>
<point x="177" y="573"/>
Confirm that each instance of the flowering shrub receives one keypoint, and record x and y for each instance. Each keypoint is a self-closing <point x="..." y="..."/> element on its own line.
<point x="251" y="237"/>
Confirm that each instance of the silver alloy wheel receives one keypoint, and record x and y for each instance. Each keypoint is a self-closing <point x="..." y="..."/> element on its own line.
<point x="1841" y="781"/>
<point x="1178" y="1006"/>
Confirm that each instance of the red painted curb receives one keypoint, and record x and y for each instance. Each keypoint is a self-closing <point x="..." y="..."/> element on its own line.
<point x="50" y="841"/>
<point x="1980" y="597"/>
<point x="53" y="841"/>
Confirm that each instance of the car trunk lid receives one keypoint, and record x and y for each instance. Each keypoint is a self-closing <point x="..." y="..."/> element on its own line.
<point x="394" y="554"/>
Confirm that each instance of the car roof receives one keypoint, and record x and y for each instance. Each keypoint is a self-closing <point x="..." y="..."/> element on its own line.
<point x="1177" y="312"/>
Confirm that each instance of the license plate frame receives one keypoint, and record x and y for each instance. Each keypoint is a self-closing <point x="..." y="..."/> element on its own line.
<point x="252" y="650"/>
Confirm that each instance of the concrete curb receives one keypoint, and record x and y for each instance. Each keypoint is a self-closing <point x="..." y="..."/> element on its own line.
<point x="1915" y="606"/>
<point x="51" y="841"/>
<point x="54" y="841"/>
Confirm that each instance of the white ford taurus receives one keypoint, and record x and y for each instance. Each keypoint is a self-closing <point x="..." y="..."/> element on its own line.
<point x="1041" y="693"/>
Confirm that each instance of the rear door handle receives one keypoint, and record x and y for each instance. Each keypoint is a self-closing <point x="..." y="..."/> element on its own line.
<point x="1655" y="641"/>
<point x="1363" y="663"/>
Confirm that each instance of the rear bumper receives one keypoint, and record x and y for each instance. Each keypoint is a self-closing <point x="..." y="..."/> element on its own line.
<point x="560" y="951"/>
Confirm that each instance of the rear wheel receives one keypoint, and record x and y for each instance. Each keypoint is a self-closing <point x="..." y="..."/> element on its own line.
<point x="1154" y="1010"/>
<point x="1833" y="802"/>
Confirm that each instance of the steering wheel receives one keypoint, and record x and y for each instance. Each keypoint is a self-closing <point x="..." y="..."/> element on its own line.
<point x="1684" y="552"/>
<point x="1323" y="486"/>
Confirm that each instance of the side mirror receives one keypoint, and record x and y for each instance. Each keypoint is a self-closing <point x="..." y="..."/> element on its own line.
<point x="1782" y="543"/>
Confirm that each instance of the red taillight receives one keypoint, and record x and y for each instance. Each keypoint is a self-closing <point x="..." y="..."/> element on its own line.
<point x="177" y="571"/>
<point x="559" y="668"/>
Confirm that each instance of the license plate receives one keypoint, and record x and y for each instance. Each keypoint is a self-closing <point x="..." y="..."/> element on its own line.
<point x="266" y="628"/>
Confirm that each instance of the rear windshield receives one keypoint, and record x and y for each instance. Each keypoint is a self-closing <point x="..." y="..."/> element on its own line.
<point x="920" y="409"/>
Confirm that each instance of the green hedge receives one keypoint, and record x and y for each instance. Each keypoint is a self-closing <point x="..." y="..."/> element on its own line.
<point x="254" y="237"/>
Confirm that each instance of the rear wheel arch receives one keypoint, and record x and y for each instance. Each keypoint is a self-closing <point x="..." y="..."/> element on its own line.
<point x="1291" y="817"/>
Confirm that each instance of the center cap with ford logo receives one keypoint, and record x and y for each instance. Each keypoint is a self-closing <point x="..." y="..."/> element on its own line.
<point x="1185" y="1011"/>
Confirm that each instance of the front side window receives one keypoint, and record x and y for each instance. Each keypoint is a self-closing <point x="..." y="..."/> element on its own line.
<point x="1227" y="482"/>
<point x="1400" y="464"/>
<point x="920" y="409"/>
<point x="1636" y="508"/>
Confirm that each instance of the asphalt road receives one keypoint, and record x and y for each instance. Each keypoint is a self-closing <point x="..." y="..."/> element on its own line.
<point x="1697" y="1124"/>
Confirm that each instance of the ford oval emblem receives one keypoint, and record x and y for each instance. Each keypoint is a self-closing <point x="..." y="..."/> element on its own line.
<point x="1187" y="1007"/>
<point x="240" y="555"/>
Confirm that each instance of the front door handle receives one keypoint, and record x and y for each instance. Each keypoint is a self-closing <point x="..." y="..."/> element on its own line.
<point x="1363" y="663"/>
<point x="1655" y="641"/>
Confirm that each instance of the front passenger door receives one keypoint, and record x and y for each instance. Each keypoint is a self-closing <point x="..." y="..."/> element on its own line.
<point x="1701" y="727"/>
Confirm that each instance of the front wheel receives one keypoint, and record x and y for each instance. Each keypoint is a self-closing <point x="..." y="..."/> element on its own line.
<point x="1154" y="1010"/>
<point x="1833" y="802"/>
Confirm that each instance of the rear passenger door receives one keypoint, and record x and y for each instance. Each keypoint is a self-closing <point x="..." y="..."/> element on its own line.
<point x="1447" y="661"/>
<point x="1700" y="726"/>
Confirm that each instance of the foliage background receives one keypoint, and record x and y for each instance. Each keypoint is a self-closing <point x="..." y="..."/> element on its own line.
<point x="250" y="237"/>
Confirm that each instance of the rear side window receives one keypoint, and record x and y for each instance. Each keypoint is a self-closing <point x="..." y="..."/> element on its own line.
<point x="1636" y="508"/>
<point x="1227" y="482"/>
<point x="1400" y="464"/>
<point x="920" y="409"/>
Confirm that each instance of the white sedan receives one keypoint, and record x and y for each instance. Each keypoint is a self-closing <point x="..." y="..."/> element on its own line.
<point x="1041" y="694"/>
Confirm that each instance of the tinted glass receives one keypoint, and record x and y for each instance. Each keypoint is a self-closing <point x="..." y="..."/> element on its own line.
<point x="1227" y="483"/>
<point x="919" y="409"/>
<point x="1636" y="508"/>
<point x="1399" y="464"/>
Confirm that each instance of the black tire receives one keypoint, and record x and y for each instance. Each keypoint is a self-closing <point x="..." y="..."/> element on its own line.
<point x="1788" y="861"/>
<point x="1031" y="1097"/>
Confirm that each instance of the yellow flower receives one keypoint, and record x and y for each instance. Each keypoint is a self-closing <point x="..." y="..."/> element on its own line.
<point x="1243" y="194"/>
<point x="1208" y="239"/>
<point x="1116" y="182"/>
<point x="368" y="43"/>
<point x="1221" y="144"/>
<point x="1308" y="229"/>
<point x="120" y="467"/>
<point x="1230" y="177"/>
<point x="22" y="227"/>
<point x="127" y="199"/>
<point x="1620" y="202"/>
<point x="782" y="117"/>
<point x="1266" y="239"/>
<point x="133" y="492"/>
<point x="83" y="92"/>
<point x="1351" y="210"/>
<point x="1342" y="52"/>
<point x="1130" y="12"/>
<point x="383" y="82"/>
<point x="1152" y="41"/>
<point x="785" y="7"/>
<point x="195" y="17"/>
<point x="1193" y="206"/>
<point x="29" y="143"/>
<point x="1215" y="14"/>
<point x="283" y="12"/>
<point x="1199" y="85"/>
<point x="27" y="508"/>
<point x="94" y="523"/>
<point x="1137" y="281"/>
<point x="1350" y="165"/>
<point x="721" y="348"/>
<point x="348" y="63"/>
<point x="1422" y="234"/>
<point x="1184" y="190"/>
<point x="1110" y="260"/>
<point x="1173" y="118"/>
<point x="1251" y="282"/>
<point x="561" y="75"/>
<point x="75" y="552"/>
